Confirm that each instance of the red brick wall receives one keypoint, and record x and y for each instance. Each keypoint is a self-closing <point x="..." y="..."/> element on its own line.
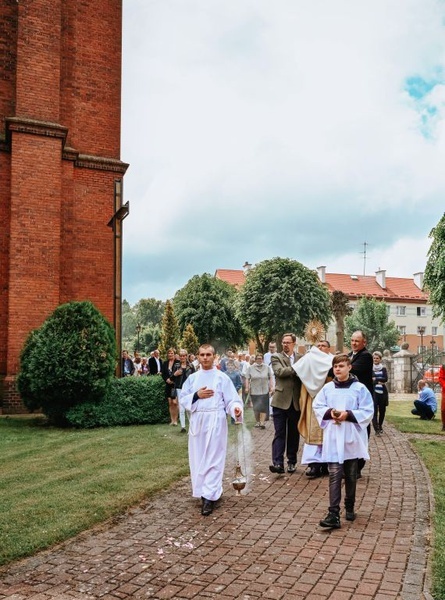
<point x="59" y="157"/>
<point x="91" y="75"/>
<point x="8" y="58"/>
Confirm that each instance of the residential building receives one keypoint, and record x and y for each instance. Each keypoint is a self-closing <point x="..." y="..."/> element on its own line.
<point x="406" y="302"/>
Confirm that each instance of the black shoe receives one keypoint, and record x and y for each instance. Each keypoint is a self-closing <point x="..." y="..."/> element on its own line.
<point x="183" y="430"/>
<point x="350" y="515"/>
<point x="276" y="469"/>
<point x="207" y="507"/>
<point x="291" y="468"/>
<point x="359" y="474"/>
<point x="313" y="472"/>
<point x="324" y="470"/>
<point x="380" y="431"/>
<point x="331" y="520"/>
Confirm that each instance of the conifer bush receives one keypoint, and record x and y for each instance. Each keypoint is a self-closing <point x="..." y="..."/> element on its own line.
<point x="69" y="360"/>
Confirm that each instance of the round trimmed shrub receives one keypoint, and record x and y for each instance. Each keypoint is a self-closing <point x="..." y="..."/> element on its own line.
<point x="69" y="360"/>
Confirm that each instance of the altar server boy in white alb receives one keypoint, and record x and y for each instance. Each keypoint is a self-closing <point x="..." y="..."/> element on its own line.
<point x="344" y="408"/>
<point x="209" y="396"/>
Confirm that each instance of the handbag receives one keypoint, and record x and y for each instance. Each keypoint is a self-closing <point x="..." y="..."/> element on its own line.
<point x="173" y="393"/>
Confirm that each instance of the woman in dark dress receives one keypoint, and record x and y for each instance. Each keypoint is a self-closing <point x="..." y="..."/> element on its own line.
<point x="168" y="368"/>
<point x="184" y="370"/>
<point x="379" y="379"/>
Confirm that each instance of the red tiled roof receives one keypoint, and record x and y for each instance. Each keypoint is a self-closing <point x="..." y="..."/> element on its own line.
<point x="233" y="276"/>
<point x="397" y="288"/>
<point x="354" y="286"/>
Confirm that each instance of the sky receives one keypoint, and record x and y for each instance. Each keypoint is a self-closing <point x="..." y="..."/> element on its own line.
<point x="292" y="128"/>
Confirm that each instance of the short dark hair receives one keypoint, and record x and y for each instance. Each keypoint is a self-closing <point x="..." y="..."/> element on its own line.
<point x="324" y="342"/>
<point x="292" y="335"/>
<point x="205" y="346"/>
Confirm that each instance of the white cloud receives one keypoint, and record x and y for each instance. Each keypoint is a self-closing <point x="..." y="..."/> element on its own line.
<point x="279" y="128"/>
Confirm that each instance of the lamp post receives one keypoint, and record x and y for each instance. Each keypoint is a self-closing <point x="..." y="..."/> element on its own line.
<point x="138" y="331"/>
<point x="422" y="331"/>
<point x="433" y="342"/>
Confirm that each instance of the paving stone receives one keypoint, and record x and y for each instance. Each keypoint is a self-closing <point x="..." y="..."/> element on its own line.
<point x="265" y="543"/>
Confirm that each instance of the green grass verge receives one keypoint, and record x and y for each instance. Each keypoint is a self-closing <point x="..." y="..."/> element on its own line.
<point x="55" y="482"/>
<point x="432" y="453"/>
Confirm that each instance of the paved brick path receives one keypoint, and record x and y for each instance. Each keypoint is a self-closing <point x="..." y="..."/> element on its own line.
<point x="264" y="544"/>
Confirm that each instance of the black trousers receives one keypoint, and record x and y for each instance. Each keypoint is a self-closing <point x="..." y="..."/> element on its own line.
<point x="287" y="437"/>
<point x="349" y="468"/>
<point x="380" y="404"/>
<point x="423" y="410"/>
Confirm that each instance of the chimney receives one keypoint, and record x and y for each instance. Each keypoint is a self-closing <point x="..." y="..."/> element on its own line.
<point x="322" y="274"/>
<point x="247" y="266"/>
<point x="380" y="277"/>
<point x="418" y="279"/>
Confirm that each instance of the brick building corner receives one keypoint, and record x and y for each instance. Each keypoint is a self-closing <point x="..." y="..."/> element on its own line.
<point x="60" y="168"/>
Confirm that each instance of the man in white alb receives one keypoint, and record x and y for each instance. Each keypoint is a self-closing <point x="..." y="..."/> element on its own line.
<point x="209" y="396"/>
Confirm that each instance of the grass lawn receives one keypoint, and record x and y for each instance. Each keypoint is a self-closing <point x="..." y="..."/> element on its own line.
<point x="55" y="483"/>
<point x="432" y="453"/>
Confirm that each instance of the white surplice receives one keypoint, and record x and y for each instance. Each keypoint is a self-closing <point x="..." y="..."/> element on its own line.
<point x="347" y="440"/>
<point x="208" y="429"/>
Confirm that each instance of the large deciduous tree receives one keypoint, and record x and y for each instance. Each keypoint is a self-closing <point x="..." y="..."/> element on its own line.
<point x="149" y="310"/>
<point x="371" y="316"/>
<point x="434" y="278"/>
<point x="208" y="304"/>
<point x="280" y="295"/>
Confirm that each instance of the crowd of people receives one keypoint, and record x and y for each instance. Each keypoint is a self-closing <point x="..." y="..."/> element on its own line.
<point x="330" y="400"/>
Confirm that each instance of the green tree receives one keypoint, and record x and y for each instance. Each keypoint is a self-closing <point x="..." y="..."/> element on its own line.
<point x="371" y="316"/>
<point x="189" y="340"/>
<point x="149" y="310"/>
<point x="150" y="338"/>
<point x="169" y="330"/>
<point x="129" y="322"/>
<point x="434" y="278"/>
<point x="280" y="295"/>
<point x="340" y="309"/>
<point x="208" y="304"/>
<point x="70" y="359"/>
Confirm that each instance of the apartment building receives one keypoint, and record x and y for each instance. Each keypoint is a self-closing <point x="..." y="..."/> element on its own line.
<point x="406" y="302"/>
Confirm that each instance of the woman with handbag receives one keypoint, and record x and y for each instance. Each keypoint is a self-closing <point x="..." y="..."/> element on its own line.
<point x="259" y="384"/>
<point x="168" y="368"/>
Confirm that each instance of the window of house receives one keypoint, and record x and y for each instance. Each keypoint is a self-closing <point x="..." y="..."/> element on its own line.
<point x="421" y="311"/>
<point x="400" y="311"/>
<point x="434" y="330"/>
<point x="421" y="330"/>
<point x="402" y="329"/>
<point x="421" y="349"/>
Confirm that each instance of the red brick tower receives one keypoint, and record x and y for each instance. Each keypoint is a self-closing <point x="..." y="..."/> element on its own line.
<point x="60" y="168"/>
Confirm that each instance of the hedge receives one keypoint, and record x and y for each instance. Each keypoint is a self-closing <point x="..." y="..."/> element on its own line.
<point x="129" y="401"/>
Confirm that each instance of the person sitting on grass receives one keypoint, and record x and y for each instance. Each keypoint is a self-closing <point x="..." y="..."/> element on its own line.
<point x="344" y="408"/>
<point x="426" y="404"/>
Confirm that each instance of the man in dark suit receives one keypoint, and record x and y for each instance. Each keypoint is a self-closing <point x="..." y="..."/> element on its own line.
<point x="285" y="406"/>
<point x="361" y="360"/>
<point x="155" y="363"/>
<point x="361" y="363"/>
